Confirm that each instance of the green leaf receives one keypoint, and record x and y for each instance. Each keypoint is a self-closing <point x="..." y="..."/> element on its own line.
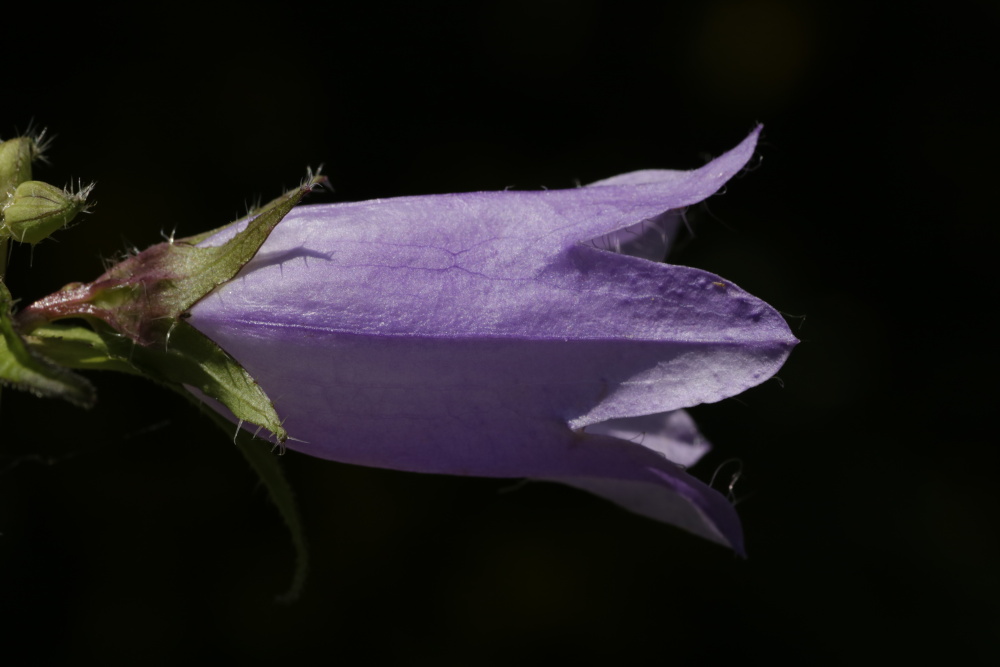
<point x="25" y="369"/>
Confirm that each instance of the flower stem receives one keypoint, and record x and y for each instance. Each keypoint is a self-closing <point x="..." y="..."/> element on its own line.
<point x="3" y="258"/>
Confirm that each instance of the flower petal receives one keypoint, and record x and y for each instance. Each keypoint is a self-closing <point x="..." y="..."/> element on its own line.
<point x="479" y="333"/>
<point x="658" y="487"/>
<point x="672" y="434"/>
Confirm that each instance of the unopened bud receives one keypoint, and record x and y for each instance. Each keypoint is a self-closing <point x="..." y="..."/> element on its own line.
<point x="38" y="209"/>
<point x="15" y="163"/>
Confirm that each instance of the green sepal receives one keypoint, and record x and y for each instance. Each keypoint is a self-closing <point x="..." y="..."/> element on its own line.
<point x="22" y="367"/>
<point x="207" y="268"/>
<point x="37" y="209"/>
<point x="189" y="359"/>
<point x="77" y="347"/>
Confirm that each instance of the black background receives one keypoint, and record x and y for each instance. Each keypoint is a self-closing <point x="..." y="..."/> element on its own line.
<point x="135" y="532"/>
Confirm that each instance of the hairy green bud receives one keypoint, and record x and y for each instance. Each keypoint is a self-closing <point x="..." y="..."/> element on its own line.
<point x="15" y="162"/>
<point x="38" y="209"/>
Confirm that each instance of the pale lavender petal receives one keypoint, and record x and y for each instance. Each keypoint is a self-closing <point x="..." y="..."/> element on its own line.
<point x="661" y="490"/>
<point x="676" y="499"/>
<point x="650" y="239"/>
<point x="672" y="434"/>
<point x="480" y="333"/>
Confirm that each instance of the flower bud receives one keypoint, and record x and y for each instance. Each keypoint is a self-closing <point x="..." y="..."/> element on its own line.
<point x="15" y="162"/>
<point x="38" y="209"/>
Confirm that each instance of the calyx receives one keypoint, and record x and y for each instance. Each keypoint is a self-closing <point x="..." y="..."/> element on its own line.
<point x="138" y="307"/>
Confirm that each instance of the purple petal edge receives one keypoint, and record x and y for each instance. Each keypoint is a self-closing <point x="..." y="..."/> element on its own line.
<point x="662" y="490"/>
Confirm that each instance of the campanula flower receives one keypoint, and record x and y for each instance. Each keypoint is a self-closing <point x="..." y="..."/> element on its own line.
<point x="505" y="334"/>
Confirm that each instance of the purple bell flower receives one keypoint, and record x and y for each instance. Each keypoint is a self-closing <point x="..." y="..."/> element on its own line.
<point x="505" y="334"/>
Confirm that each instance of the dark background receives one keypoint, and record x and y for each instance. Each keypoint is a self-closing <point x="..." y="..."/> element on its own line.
<point x="135" y="530"/>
